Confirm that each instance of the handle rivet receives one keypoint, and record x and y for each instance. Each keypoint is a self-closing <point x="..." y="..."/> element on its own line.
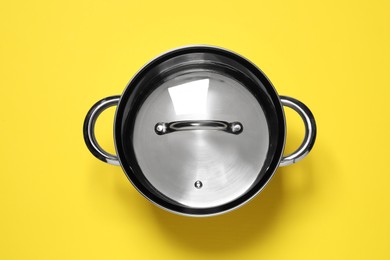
<point x="160" y="128"/>
<point x="236" y="127"/>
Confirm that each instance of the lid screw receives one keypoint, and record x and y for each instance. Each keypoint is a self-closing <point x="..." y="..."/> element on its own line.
<point x="236" y="128"/>
<point x="198" y="184"/>
<point x="160" y="128"/>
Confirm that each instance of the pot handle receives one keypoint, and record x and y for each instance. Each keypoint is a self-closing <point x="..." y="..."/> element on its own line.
<point x="310" y="130"/>
<point x="89" y="129"/>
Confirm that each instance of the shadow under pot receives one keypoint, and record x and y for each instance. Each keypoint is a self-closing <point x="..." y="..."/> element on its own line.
<point x="199" y="130"/>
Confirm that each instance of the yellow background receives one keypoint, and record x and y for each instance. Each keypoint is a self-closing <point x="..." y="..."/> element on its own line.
<point x="57" y="58"/>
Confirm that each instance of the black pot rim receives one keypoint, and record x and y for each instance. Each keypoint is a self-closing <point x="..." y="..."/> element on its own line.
<point x="129" y="168"/>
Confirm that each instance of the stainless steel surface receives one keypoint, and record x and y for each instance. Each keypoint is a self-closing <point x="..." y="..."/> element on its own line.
<point x="89" y="130"/>
<point x="310" y="130"/>
<point x="201" y="168"/>
<point x="162" y="128"/>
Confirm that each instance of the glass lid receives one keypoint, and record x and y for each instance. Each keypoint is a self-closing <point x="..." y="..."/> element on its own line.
<point x="201" y="138"/>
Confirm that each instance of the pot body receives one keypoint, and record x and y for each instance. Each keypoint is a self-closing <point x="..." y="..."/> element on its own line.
<point x="212" y="182"/>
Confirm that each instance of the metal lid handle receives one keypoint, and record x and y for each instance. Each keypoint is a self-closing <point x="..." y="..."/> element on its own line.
<point x="162" y="128"/>
<point x="310" y="130"/>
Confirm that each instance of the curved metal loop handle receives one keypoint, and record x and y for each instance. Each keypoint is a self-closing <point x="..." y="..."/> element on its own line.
<point x="89" y="130"/>
<point x="162" y="128"/>
<point x="310" y="130"/>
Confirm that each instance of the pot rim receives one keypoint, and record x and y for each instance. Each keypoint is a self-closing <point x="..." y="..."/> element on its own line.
<point x="276" y="101"/>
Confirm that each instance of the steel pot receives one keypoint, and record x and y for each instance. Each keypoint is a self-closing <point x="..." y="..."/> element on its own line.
<point x="199" y="130"/>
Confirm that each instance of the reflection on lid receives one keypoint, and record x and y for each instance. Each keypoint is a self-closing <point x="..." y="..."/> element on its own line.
<point x="190" y="98"/>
